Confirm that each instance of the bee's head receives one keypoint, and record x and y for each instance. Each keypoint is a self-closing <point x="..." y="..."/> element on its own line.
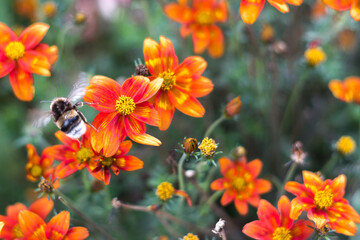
<point x="60" y="105"/>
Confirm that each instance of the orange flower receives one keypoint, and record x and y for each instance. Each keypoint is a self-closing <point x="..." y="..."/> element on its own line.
<point x="21" y="56"/>
<point x="348" y="90"/>
<point x="182" y="84"/>
<point x="240" y="183"/>
<point x="119" y="161"/>
<point x="124" y="110"/>
<point x="251" y="9"/>
<point x="38" y="167"/>
<point x="42" y="207"/>
<point x="343" y="5"/>
<point x="199" y="20"/>
<point x="324" y="202"/>
<point x="273" y="224"/>
<point x="34" y="227"/>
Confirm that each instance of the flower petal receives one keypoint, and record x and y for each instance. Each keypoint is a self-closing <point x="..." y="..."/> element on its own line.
<point x="257" y="230"/>
<point x="131" y="163"/>
<point x="227" y="197"/>
<point x="216" y="45"/>
<point x="318" y="216"/>
<point x="191" y="66"/>
<point x="65" y="169"/>
<point x="136" y="131"/>
<point x="221" y="12"/>
<point x="279" y="5"/>
<point x="241" y="207"/>
<point x="135" y="87"/>
<point x="284" y="207"/>
<point x="301" y="229"/>
<point x="77" y="233"/>
<point x="67" y="141"/>
<point x="29" y="223"/>
<point x="58" y="226"/>
<point x="6" y="65"/>
<point x="297" y="189"/>
<point x="165" y="110"/>
<point x="169" y="59"/>
<point x="268" y="214"/>
<point x="185" y="103"/>
<point x="113" y="134"/>
<point x="13" y="211"/>
<point x="344" y="226"/>
<point x="201" y="38"/>
<point x="200" y="87"/>
<point x="178" y="13"/>
<point x="225" y="164"/>
<point x="338" y="187"/>
<point x="294" y="2"/>
<point x="51" y="53"/>
<point x="35" y="63"/>
<point x="355" y="10"/>
<point x="22" y="84"/>
<point x="106" y="175"/>
<point x="339" y="5"/>
<point x="262" y="186"/>
<point x="145" y="112"/>
<point x="42" y="207"/>
<point x="152" y="56"/>
<point x="218" y="184"/>
<point x="6" y="36"/>
<point x="311" y="178"/>
<point x="254" y="167"/>
<point x="33" y="35"/>
<point x="250" y="10"/>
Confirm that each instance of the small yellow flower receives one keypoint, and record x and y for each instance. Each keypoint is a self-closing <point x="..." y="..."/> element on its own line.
<point x="346" y="145"/>
<point x="208" y="147"/>
<point x="191" y="236"/>
<point x="314" y="56"/>
<point x="49" y="9"/>
<point x="165" y="191"/>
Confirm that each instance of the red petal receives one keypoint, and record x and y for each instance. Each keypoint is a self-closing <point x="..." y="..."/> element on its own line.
<point x="185" y="30"/>
<point x="6" y="65"/>
<point x="58" y="226"/>
<point x="136" y="132"/>
<point x="178" y="13"/>
<point x="268" y="214"/>
<point x="33" y="35"/>
<point x="7" y="36"/>
<point x="12" y="211"/>
<point x="51" y="53"/>
<point x="216" y="45"/>
<point x="65" y="169"/>
<point x="254" y="167"/>
<point x="218" y="184"/>
<point x="318" y="216"/>
<point x="107" y="175"/>
<point x="22" y="84"/>
<point x="124" y="148"/>
<point x="152" y="56"/>
<point x="284" y="207"/>
<point x="113" y="133"/>
<point x="225" y="165"/>
<point x="168" y="57"/>
<point x="42" y="207"/>
<point x="165" y="110"/>
<point x="297" y="189"/>
<point x="29" y="223"/>
<point x="191" y="66"/>
<point x="145" y="112"/>
<point x="185" y="103"/>
<point x="68" y="141"/>
<point x="135" y="87"/>
<point x="227" y="197"/>
<point x="241" y="207"/>
<point x="77" y="233"/>
<point x="257" y="230"/>
<point x="301" y="230"/>
<point x="151" y="90"/>
<point x="250" y="10"/>
<point x="131" y="163"/>
<point x="60" y="152"/>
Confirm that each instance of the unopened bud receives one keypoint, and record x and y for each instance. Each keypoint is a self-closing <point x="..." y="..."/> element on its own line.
<point x="239" y="152"/>
<point x="80" y="18"/>
<point x="46" y="186"/>
<point x="49" y="9"/>
<point x="233" y="107"/>
<point x="142" y="70"/>
<point x="190" y="145"/>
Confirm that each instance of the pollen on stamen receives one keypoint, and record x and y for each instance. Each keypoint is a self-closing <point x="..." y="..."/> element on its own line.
<point x="15" y="50"/>
<point x="169" y="80"/>
<point x="125" y="105"/>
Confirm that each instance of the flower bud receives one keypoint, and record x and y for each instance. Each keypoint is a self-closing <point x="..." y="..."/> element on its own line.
<point x="142" y="70"/>
<point x="239" y="152"/>
<point x="190" y="145"/>
<point x="233" y="107"/>
<point x="80" y="18"/>
<point x="49" y="9"/>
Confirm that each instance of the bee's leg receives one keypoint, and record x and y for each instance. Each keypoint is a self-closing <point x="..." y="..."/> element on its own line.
<point x="80" y="104"/>
<point x="85" y="120"/>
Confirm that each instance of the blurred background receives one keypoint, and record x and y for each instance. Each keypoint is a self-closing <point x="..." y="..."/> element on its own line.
<point x="263" y="63"/>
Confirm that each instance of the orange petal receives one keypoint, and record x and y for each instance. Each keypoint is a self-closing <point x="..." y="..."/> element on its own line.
<point x="134" y="87"/>
<point x="344" y="209"/>
<point x="60" y="152"/>
<point x="77" y="233"/>
<point x="145" y="112"/>
<point x="7" y="35"/>
<point x="338" y="187"/>
<point x="35" y="63"/>
<point x="241" y="207"/>
<point x="296" y="188"/>
<point x="168" y="57"/>
<point x="22" y="84"/>
<point x="33" y="35"/>
<point x="221" y="12"/>
<point x="124" y="148"/>
<point x="267" y="213"/>
<point x="149" y="90"/>
<point x="201" y="38"/>
<point x="6" y="65"/>
<point x="262" y="186"/>
<point x="152" y="56"/>
<point x="294" y="2"/>
<point x="30" y="223"/>
<point x="42" y="207"/>
<point x="279" y="5"/>
<point x="58" y="226"/>
<point x="302" y="229"/>
<point x="185" y="103"/>
<point x="336" y="88"/>
<point x="33" y="157"/>
<point x="113" y="134"/>
<point x="311" y="178"/>
<point x="185" y="30"/>
<point x="136" y="132"/>
<point x="227" y="197"/>
<point x="318" y="216"/>
<point x="165" y="110"/>
<point x="178" y="13"/>
<point x="355" y="10"/>
<point x="12" y="211"/>
<point x="257" y="230"/>
<point x="216" y="45"/>
<point x="131" y="163"/>
<point x="344" y="226"/>
<point x="254" y="167"/>
<point x="218" y="184"/>
<point x="67" y="141"/>
<point x="284" y="207"/>
<point x="339" y="5"/>
<point x="51" y="53"/>
<point x="296" y="208"/>
<point x="185" y="195"/>
<point x="225" y="165"/>
<point x="106" y="175"/>
<point x="191" y="66"/>
<point x="250" y="10"/>
<point x="200" y="87"/>
<point x="65" y="169"/>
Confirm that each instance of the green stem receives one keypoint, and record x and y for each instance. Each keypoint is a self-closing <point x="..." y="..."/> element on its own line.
<point x="145" y="6"/>
<point x="180" y="172"/>
<point x="213" y="198"/>
<point x="214" y="125"/>
<point x="62" y="198"/>
<point x="288" y="176"/>
<point x="329" y="165"/>
<point x="359" y="131"/>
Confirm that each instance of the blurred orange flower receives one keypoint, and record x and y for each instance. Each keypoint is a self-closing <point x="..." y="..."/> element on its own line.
<point x="38" y="167"/>
<point x="42" y="207"/>
<point x="124" y="110"/>
<point x="273" y="224"/>
<point x="182" y="84"/>
<point x="240" y="183"/>
<point x="251" y="9"/>
<point x="34" y="227"/>
<point x="119" y="161"/>
<point x="21" y="56"/>
<point x="324" y="202"/>
<point x="199" y="21"/>
<point x="343" y="5"/>
<point x="26" y="8"/>
<point x="347" y="91"/>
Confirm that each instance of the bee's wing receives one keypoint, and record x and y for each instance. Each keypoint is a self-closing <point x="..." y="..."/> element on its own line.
<point x="78" y="90"/>
<point x="40" y="118"/>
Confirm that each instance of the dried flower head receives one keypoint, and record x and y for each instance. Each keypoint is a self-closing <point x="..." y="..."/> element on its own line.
<point x="142" y="70"/>
<point x="279" y="47"/>
<point x="346" y="145"/>
<point x="190" y="145"/>
<point x="314" y="56"/>
<point x="297" y="153"/>
<point x="115" y="203"/>
<point x="208" y="147"/>
<point x="46" y="186"/>
<point x="233" y="107"/>
<point x="190" y="236"/>
<point x="219" y="226"/>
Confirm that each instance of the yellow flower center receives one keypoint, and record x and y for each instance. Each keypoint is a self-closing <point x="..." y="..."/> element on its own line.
<point x="107" y="161"/>
<point x="17" y="231"/>
<point x="165" y="191"/>
<point x="208" y="147"/>
<point x="346" y="145"/>
<point x="169" y="80"/>
<point x="121" y="162"/>
<point x="36" y="171"/>
<point x="315" y="56"/>
<point x="238" y="183"/>
<point x="323" y="199"/>
<point x="204" y="17"/>
<point x="190" y="236"/>
<point x="125" y="105"/>
<point x="281" y="233"/>
<point x="15" y="50"/>
<point x="84" y="155"/>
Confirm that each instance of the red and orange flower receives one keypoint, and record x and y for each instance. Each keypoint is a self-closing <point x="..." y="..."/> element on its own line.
<point x="273" y="224"/>
<point x="124" y="110"/>
<point x="21" y="56"/>
<point x="119" y="161"/>
<point x="182" y="83"/>
<point x="347" y="91"/>
<point x="240" y="183"/>
<point x="324" y="202"/>
<point x="34" y="227"/>
<point x="199" y="21"/>
<point x="38" y="167"/>
<point x="251" y="9"/>
<point x="344" y="5"/>
<point x="11" y="230"/>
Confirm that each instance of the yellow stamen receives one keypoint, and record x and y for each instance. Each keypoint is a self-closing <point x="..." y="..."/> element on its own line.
<point x="17" y="231"/>
<point x="208" y="147"/>
<point x="190" y="236"/>
<point x="36" y="171"/>
<point x="238" y="183"/>
<point x="346" y="145"/>
<point x="323" y="199"/>
<point x="84" y="155"/>
<point x="15" y="50"/>
<point x="204" y="17"/>
<point x="125" y="105"/>
<point x="281" y="233"/>
<point x="165" y="191"/>
<point x="169" y="80"/>
<point x="107" y="161"/>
